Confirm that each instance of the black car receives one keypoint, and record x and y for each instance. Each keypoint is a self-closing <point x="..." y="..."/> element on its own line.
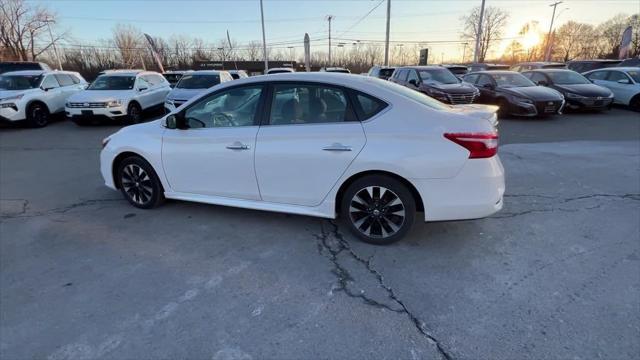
<point x="437" y="82"/>
<point x="577" y="90"/>
<point x="486" y="67"/>
<point x="458" y="70"/>
<point x="381" y="72"/>
<point x="7" y="66"/>
<point x="583" y="66"/>
<point x="515" y="94"/>
<point x="537" y="65"/>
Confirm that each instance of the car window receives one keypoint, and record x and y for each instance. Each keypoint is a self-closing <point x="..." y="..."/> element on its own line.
<point x="107" y="82"/>
<point x="615" y="76"/>
<point x="227" y="108"/>
<point x="484" y="80"/>
<point x="308" y="104"/>
<point x="635" y="75"/>
<point x="535" y="77"/>
<point x="19" y="82"/>
<point x="49" y="82"/>
<point x="413" y="75"/>
<point x="74" y="78"/>
<point x="369" y="106"/>
<point x="597" y="75"/>
<point x="142" y="82"/>
<point x="64" y="79"/>
<point x="198" y="81"/>
<point x="471" y="78"/>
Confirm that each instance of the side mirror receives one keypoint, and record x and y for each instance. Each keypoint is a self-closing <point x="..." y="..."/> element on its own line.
<point x="488" y="86"/>
<point x="413" y="82"/>
<point x="543" y="83"/>
<point x="623" y="81"/>
<point x="170" y="122"/>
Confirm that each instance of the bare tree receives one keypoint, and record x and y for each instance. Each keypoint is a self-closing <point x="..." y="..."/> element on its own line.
<point x="22" y="25"/>
<point x="494" y="22"/>
<point x="573" y="40"/>
<point x="253" y="50"/>
<point x="128" y="40"/>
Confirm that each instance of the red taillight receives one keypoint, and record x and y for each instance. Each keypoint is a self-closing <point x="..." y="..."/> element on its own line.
<point x="480" y="145"/>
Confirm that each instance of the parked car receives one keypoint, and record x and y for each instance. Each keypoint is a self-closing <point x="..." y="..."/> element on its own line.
<point x="624" y="82"/>
<point x="173" y="76"/>
<point x="370" y="155"/>
<point x="381" y="72"/>
<point x="336" y="70"/>
<point x="193" y="84"/>
<point x="238" y="74"/>
<point x="537" y="65"/>
<point x="515" y="94"/>
<point x="631" y="62"/>
<point x="35" y="95"/>
<point x="487" y="67"/>
<point x="118" y="95"/>
<point x="579" y="93"/>
<point x="279" y="71"/>
<point x="458" y="70"/>
<point x="9" y="66"/>
<point x="583" y="66"/>
<point x="437" y="82"/>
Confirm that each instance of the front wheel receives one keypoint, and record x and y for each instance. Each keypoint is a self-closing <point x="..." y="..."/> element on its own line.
<point x="378" y="209"/>
<point x="37" y="115"/>
<point x="134" y="113"/>
<point x="634" y="104"/>
<point x="139" y="183"/>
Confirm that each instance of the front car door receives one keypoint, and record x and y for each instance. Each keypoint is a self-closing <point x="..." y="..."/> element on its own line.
<point x="621" y="86"/>
<point x="413" y="80"/>
<point x="53" y="94"/>
<point x="486" y="85"/>
<point x="308" y="141"/>
<point x="214" y="155"/>
<point x="144" y="92"/>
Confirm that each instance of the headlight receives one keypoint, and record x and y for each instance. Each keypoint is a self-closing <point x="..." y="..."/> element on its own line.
<point x="523" y="100"/>
<point x="9" y="105"/>
<point x="573" y="96"/>
<point x="114" y="103"/>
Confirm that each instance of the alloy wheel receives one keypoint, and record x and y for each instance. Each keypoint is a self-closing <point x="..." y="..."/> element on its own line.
<point x="137" y="184"/>
<point x="39" y="116"/>
<point x="377" y="212"/>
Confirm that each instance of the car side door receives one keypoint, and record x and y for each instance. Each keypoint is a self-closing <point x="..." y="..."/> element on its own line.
<point x="67" y="87"/>
<point x="52" y="94"/>
<point x="308" y="141"/>
<point x="143" y="92"/>
<point x="211" y="151"/>
<point x="162" y="89"/>
<point x="487" y="88"/>
<point x="621" y="86"/>
<point x="413" y="80"/>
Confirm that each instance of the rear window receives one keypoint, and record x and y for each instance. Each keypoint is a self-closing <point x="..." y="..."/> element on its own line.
<point x="369" y="106"/>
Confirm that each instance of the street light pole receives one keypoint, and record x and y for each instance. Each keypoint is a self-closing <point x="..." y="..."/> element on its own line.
<point x="264" y="41"/>
<point x="55" y="50"/>
<point x="549" y="40"/>
<point x="476" y="54"/>
<point x="386" y="42"/>
<point x="329" y="18"/>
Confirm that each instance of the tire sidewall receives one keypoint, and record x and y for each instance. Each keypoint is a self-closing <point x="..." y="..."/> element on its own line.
<point x="158" y="192"/>
<point x="33" y="122"/>
<point x="394" y="185"/>
<point x="138" y="110"/>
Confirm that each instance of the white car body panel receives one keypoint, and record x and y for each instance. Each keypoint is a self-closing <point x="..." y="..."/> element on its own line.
<point x="622" y="93"/>
<point x="405" y="139"/>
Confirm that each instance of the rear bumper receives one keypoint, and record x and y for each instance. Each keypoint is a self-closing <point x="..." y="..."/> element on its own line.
<point x="476" y="192"/>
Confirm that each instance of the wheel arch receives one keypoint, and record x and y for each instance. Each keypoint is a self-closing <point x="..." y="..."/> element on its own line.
<point x="119" y="158"/>
<point x="136" y="102"/>
<point x="36" y="101"/>
<point x="633" y="99"/>
<point x="414" y="192"/>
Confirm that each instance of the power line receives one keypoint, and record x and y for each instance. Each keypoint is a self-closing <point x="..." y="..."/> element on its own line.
<point x="362" y="18"/>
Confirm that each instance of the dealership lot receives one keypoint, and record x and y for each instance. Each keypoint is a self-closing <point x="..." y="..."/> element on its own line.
<point x="555" y="274"/>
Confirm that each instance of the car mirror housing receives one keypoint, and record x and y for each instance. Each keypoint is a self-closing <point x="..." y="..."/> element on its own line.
<point x="170" y="122"/>
<point x="413" y="82"/>
<point x="488" y="86"/>
<point x="543" y="83"/>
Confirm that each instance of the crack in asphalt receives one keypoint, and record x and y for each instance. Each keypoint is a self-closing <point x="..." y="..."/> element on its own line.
<point x="60" y="210"/>
<point x="341" y="245"/>
<point x="504" y="215"/>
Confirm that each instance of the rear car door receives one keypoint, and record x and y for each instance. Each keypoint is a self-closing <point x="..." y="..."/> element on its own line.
<point x="53" y="95"/>
<point x="67" y="87"/>
<point x="307" y="142"/>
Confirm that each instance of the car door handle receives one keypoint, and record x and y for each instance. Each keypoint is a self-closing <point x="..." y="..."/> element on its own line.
<point x="238" y="146"/>
<point x="337" y="147"/>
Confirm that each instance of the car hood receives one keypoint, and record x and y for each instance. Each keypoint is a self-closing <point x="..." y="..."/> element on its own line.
<point x="100" y="95"/>
<point x="589" y="90"/>
<point x="459" y="88"/>
<point x="536" y="93"/>
<point x="487" y="112"/>
<point x="184" y="94"/>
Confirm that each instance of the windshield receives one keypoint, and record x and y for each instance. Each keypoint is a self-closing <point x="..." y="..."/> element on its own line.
<point x="414" y="95"/>
<point x="111" y="82"/>
<point x="278" y="71"/>
<point x="509" y="80"/>
<point x="442" y="76"/>
<point x="386" y="72"/>
<point x="172" y="78"/>
<point x="20" y="82"/>
<point x="198" y="81"/>
<point x="635" y="75"/>
<point x="567" y="78"/>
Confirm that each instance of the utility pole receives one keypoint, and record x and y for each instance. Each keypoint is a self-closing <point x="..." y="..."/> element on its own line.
<point x="386" y="43"/>
<point x="329" y="18"/>
<point x="464" y="51"/>
<point x="290" y="53"/>
<point x="479" y="35"/>
<point x="549" y="40"/>
<point x="53" y="43"/>
<point x="264" y="41"/>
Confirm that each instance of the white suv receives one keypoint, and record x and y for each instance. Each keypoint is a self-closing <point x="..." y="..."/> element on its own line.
<point x="34" y="95"/>
<point x="118" y="95"/>
<point x="192" y="84"/>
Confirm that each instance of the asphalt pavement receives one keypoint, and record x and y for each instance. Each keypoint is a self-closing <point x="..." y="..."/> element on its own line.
<point x="555" y="274"/>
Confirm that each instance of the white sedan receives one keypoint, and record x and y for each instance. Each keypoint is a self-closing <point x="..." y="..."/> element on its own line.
<point x="316" y="144"/>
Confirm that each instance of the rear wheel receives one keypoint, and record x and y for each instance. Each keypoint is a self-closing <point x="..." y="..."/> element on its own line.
<point x="378" y="209"/>
<point x="139" y="183"/>
<point x="37" y="115"/>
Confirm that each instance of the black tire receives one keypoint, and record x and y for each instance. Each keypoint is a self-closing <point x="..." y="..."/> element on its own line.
<point x="634" y="104"/>
<point x="139" y="183"/>
<point x="503" y="110"/>
<point x="134" y="113"/>
<point x="38" y="115"/>
<point x="381" y="216"/>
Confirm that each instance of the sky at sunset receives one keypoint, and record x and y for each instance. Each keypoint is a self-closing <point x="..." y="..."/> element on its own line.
<point x="287" y="21"/>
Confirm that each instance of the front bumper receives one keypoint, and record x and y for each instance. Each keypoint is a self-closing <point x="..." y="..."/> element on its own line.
<point x="10" y="114"/>
<point x="475" y="192"/>
<point x="108" y="112"/>
<point x="539" y="108"/>
<point x="589" y="103"/>
<point x="106" y="161"/>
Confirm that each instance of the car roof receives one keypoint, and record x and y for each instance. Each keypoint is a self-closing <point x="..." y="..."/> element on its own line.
<point x="281" y="68"/>
<point x="128" y="72"/>
<point x="489" y="72"/>
<point x="27" y="72"/>
<point x="422" y="67"/>
<point x="207" y="72"/>
<point x="620" y="68"/>
<point x="235" y="71"/>
<point x="548" y="70"/>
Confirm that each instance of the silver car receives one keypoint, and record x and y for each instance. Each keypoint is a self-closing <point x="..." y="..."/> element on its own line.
<point x="624" y="82"/>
